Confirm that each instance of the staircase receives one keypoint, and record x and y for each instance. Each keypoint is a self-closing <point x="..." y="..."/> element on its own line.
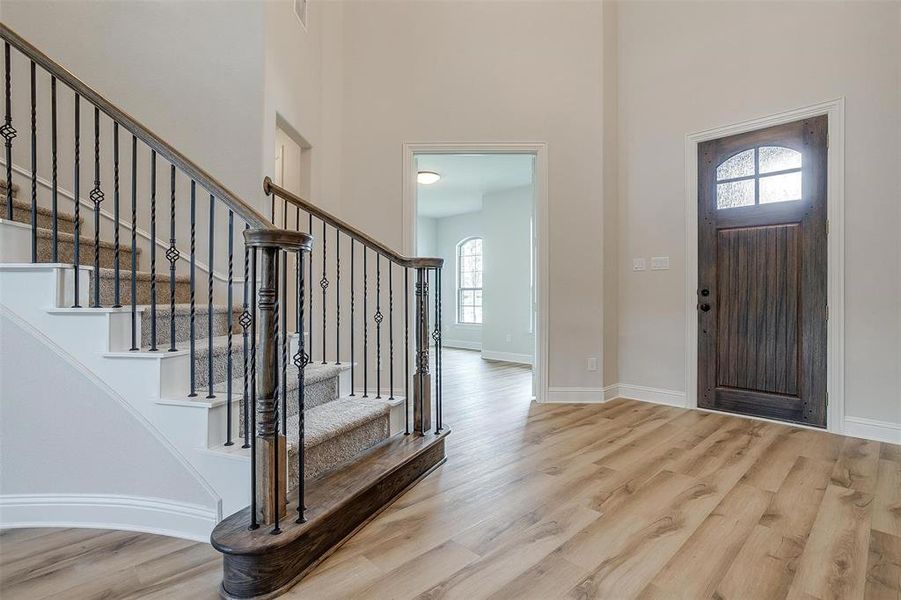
<point x="223" y="363"/>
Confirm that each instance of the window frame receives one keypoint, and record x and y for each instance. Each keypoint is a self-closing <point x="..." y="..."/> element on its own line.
<point x="757" y="176"/>
<point x="460" y="289"/>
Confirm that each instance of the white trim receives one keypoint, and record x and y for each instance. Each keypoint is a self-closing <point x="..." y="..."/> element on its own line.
<point x="835" y="200"/>
<point x="510" y="357"/>
<point x="461" y="344"/>
<point x="575" y="395"/>
<point x="202" y="266"/>
<point x="871" y="429"/>
<point x="99" y="511"/>
<point x="540" y="151"/>
<point x="646" y="394"/>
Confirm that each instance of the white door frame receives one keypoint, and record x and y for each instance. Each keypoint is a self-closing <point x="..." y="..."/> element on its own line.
<point x="835" y="211"/>
<point x="540" y="212"/>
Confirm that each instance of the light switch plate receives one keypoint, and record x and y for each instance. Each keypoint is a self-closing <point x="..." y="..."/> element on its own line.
<point x="659" y="263"/>
<point x="639" y="264"/>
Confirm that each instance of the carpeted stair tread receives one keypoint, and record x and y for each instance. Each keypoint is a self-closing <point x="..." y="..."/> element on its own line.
<point x="314" y="373"/>
<point x="335" y="418"/>
<point x="66" y="249"/>
<point x="22" y="214"/>
<point x="183" y="322"/>
<point x="142" y="287"/>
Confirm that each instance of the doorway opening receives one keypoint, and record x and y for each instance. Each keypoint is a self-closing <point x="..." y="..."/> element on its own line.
<point x="477" y="211"/>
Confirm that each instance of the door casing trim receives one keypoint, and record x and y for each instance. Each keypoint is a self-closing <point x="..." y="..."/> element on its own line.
<point x="835" y="212"/>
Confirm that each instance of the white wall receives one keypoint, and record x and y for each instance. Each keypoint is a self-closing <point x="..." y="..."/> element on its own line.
<point x="450" y="232"/>
<point x="487" y="71"/>
<point x="506" y="217"/>
<point x="426" y="236"/>
<point x="685" y="67"/>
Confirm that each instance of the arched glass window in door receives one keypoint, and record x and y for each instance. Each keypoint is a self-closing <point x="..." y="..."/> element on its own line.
<point x="469" y="281"/>
<point x="761" y="175"/>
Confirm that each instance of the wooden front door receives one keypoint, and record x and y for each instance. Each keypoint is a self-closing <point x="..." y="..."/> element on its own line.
<point x="762" y="273"/>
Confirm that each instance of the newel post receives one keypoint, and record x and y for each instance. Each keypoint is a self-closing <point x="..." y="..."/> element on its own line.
<point x="422" y="383"/>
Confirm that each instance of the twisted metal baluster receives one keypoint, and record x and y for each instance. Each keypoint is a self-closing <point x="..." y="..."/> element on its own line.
<point x="209" y="306"/>
<point x="337" y="296"/>
<point x="193" y="335"/>
<point x="34" y="166"/>
<point x="323" y="283"/>
<point x="228" y="377"/>
<point x="279" y="394"/>
<point x="438" y="359"/>
<point x="301" y="360"/>
<point x="153" y="347"/>
<point x="54" y="192"/>
<point x="406" y="350"/>
<point x="378" y="325"/>
<point x="390" y="330"/>
<point x="134" y="243"/>
<point x="9" y="132"/>
<point x="310" y="267"/>
<point x="244" y="321"/>
<point x="365" y="325"/>
<point x="353" y="358"/>
<point x="284" y="329"/>
<point x="253" y="389"/>
<point x="436" y="337"/>
<point x="172" y="254"/>
<point x="77" y="193"/>
<point x="117" y="295"/>
<point x="96" y="197"/>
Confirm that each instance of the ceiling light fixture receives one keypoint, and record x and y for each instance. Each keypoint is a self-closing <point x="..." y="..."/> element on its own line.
<point x="427" y="177"/>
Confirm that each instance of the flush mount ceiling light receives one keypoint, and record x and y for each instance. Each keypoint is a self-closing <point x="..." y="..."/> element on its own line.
<point x="427" y="177"/>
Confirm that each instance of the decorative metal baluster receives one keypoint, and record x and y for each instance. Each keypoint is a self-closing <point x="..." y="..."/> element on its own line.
<point x="134" y="243"/>
<point x="390" y="330"/>
<point x="301" y="360"/>
<point x="436" y="337"/>
<point x="9" y="132"/>
<point x="337" y="296"/>
<point x="34" y="166"/>
<point x="310" y="267"/>
<point x="407" y="350"/>
<point x="353" y="325"/>
<point x="323" y="283"/>
<point x="438" y="360"/>
<point x="284" y="328"/>
<point x="96" y="197"/>
<point x="192" y="334"/>
<point x="279" y="393"/>
<point x="365" y="325"/>
<point x="209" y="306"/>
<point x="173" y="255"/>
<point x="153" y="251"/>
<point x="378" y="325"/>
<point x="117" y="296"/>
<point x="252" y="422"/>
<point x="77" y="193"/>
<point x="244" y="320"/>
<point x="54" y="191"/>
<point x="228" y="376"/>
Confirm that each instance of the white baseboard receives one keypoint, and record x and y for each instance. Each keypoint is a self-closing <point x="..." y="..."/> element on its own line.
<point x="511" y="357"/>
<point x="461" y="344"/>
<point x="871" y="429"/>
<point x="96" y="511"/>
<point x="575" y="395"/>
<point x="646" y="394"/>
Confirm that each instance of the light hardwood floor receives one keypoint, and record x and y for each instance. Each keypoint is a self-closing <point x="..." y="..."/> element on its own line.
<point x="621" y="500"/>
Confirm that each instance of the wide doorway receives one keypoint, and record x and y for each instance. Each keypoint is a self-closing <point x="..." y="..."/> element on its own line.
<point x="762" y="273"/>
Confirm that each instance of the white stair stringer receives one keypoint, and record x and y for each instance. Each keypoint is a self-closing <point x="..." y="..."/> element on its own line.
<point x="42" y="294"/>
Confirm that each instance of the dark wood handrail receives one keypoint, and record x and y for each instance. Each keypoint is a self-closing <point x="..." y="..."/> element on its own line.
<point x="241" y="208"/>
<point x="405" y="261"/>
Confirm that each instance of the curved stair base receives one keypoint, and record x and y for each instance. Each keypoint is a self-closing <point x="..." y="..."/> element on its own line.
<point x="258" y="565"/>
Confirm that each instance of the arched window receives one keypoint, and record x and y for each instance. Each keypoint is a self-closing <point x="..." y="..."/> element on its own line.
<point x="760" y="175"/>
<point x="469" y="281"/>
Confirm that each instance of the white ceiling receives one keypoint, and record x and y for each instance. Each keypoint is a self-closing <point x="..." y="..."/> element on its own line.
<point x="465" y="178"/>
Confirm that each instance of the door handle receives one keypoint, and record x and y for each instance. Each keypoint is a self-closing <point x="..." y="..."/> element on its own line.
<point x="705" y="307"/>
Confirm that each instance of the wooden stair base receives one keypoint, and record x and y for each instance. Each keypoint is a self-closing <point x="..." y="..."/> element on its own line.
<point x="258" y="565"/>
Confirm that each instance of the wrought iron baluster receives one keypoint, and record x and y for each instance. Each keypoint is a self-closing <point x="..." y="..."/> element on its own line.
<point x="34" y="166"/>
<point x="245" y="324"/>
<point x="390" y="330"/>
<point x="323" y="283"/>
<point x="439" y="325"/>
<point x="278" y="414"/>
<point x="96" y="197"/>
<point x="228" y="376"/>
<point x="284" y="330"/>
<point x="77" y="193"/>
<point x="301" y="360"/>
<point x="365" y="325"/>
<point x="310" y="267"/>
<point x="253" y="389"/>
<point x="9" y="132"/>
<point x="407" y="350"/>
<point x="153" y="251"/>
<point x="192" y="334"/>
<point x="353" y="301"/>
<point x="54" y="192"/>
<point x="209" y="305"/>
<point x="378" y="325"/>
<point x="117" y="295"/>
<point x="436" y="337"/>
<point x="172" y="254"/>
<point x="337" y="296"/>
<point x="134" y="243"/>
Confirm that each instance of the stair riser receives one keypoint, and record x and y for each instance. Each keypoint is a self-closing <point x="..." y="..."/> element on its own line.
<point x="142" y="288"/>
<point x="65" y="224"/>
<point x="66" y="249"/>
<point x="183" y="327"/>
<point x="336" y="451"/>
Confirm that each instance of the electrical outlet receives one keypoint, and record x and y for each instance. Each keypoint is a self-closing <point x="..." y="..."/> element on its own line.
<point x="659" y="263"/>
<point x="592" y="363"/>
<point x="639" y="264"/>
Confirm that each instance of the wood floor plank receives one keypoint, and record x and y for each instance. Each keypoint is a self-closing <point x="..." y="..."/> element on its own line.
<point x="546" y="501"/>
